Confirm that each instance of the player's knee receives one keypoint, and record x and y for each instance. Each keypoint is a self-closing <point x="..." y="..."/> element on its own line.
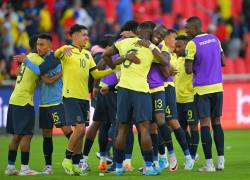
<point x="153" y="128"/>
<point x="80" y="129"/>
<point x="16" y="139"/>
<point x="174" y="124"/>
<point x="194" y="127"/>
<point x="205" y="121"/>
<point x="160" y="122"/>
<point x="95" y="125"/>
<point x="215" y="121"/>
<point x="66" y="129"/>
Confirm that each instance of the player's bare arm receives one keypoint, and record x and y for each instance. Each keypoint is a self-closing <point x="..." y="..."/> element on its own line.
<point x="189" y="66"/>
<point x="51" y="79"/>
<point x="20" y="58"/>
<point x="107" y="56"/>
<point x="129" y="56"/>
<point x="163" y="58"/>
<point x="223" y="59"/>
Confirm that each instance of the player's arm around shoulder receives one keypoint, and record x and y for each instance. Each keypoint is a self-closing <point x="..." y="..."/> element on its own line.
<point x="96" y="73"/>
<point x="107" y="56"/>
<point x="50" y="80"/>
<point x="162" y="58"/>
<point x="65" y="50"/>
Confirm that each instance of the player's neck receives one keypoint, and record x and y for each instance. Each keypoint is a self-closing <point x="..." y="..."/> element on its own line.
<point x="199" y="33"/>
<point x="77" y="46"/>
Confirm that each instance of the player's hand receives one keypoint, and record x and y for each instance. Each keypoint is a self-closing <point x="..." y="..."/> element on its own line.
<point x="67" y="51"/>
<point x="104" y="90"/>
<point x="143" y="42"/>
<point x="173" y="71"/>
<point x="127" y="34"/>
<point x="132" y="57"/>
<point x="95" y="92"/>
<point x="20" y="58"/>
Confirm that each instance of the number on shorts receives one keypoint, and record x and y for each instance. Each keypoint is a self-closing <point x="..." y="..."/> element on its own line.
<point x="168" y="110"/>
<point x="158" y="104"/>
<point x="190" y="114"/>
<point x="55" y="117"/>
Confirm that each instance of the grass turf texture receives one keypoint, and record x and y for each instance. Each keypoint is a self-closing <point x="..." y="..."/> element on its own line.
<point x="237" y="153"/>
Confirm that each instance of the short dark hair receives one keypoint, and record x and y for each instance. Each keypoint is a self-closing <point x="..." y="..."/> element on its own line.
<point x="130" y="26"/>
<point x="182" y="38"/>
<point x="77" y="28"/>
<point x="46" y="36"/>
<point x="171" y="31"/>
<point x="107" y="40"/>
<point x="146" y="25"/>
<point x="194" y="20"/>
<point x="151" y="23"/>
<point x="32" y="42"/>
<point x="162" y="27"/>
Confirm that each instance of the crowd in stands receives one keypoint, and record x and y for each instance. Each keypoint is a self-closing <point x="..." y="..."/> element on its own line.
<point x="19" y="20"/>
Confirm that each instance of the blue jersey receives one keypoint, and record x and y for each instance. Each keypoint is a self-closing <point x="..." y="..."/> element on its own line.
<point x="49" y="94"/>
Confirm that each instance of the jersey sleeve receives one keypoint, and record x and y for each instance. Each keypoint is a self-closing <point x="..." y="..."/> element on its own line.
<point x="190" y="50"/>
<point x="59" y="52"/>
<point x="117" y="45"/>
<point x="33" y="67"/>
<point x="50" y="63"/>
<point x="164" y="48"/>
<point x="92" y="64"/>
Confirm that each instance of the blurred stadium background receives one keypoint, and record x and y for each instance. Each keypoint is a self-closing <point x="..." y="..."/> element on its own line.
<point x="228" y="19"/>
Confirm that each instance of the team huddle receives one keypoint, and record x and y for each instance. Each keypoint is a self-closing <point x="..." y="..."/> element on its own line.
<point x="146" y="76"/>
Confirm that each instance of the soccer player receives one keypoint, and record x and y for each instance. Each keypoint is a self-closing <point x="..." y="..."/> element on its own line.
<point x="187" y="114"/>
<point x="77" y="64"/>
<point x="156" y="85"/>
<point x="133" y="98"/>
<point x="205" y="58"/>
<point x="171" y="108"/>
<point x="21" y="115"/>
<point x="51" y="111"/>
<point x="104" y="115"/>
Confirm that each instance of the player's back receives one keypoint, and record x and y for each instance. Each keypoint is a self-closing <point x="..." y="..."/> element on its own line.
<point x="134" y="76"/>
<point x="207" y="61"/>
<point x="26" y="83"/>
<point x="51" y="93"/>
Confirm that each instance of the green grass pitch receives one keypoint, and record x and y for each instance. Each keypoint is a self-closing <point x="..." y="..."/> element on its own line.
<point x="237" y="154"/>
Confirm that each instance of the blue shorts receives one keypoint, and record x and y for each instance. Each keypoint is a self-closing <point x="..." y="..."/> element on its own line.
<point x="187" y="114"/>
<point x="209" y="105"/>
<point x="158" y="102"/>
<point x="106" y="107"/>
<point x="171" y="107"/>
<point x="133" y="106"/>
<point x="20" y="120"/>
<point x="76" y="111"/>
<point x="49" y="116"/>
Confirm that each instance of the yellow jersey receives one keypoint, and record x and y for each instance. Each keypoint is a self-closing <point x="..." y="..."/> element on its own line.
<point x="26" y="83"/>
<point x="76" y="69"/>
<point x="173" y="63"/>
<point x="183" y="83"/>
<point x="134" y="76"/>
